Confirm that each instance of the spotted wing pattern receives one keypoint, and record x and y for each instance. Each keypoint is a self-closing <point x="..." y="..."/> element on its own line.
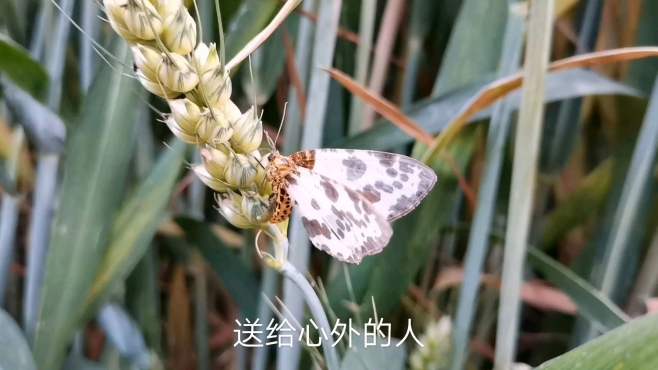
<point x="394" y="184"/>
<point x="339" y="220"/>
<point x="281" y="206"/>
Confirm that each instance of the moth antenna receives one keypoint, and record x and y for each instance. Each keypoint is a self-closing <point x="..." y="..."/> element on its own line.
<point x="271" y="143"/>
<point x="283" y="119"/>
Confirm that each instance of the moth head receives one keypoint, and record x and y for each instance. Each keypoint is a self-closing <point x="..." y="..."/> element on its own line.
<point x="278" y="161"/>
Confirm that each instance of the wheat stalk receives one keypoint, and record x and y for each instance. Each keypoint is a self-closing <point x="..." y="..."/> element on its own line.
<point x="172" y="64"/>
<point x="191" y="77"/>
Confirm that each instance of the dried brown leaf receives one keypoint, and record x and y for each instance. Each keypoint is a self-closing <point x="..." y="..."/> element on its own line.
<point x="500" y="88"/>
<point x="383" y="107"/>
<point x="179" y="323"/>
<point x="535" y="293"/>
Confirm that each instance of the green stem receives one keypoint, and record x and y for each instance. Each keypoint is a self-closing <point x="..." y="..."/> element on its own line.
<point x="281" y="264"/>
<point x="524" y="172"/>
<point x="315" y="306"/>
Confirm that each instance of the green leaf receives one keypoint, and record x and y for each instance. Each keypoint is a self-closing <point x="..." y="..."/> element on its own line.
<point x="95" y="169"/>
<point x="478" y="239"/>
<point x="44" y="127"/>
<point x="363" y="51"/>
<point x="136" y="224"/>
<point x="17" y="64"/>
<point x="236" y="276"/>
<point x="563" y="134"/>
<point x="643" y="72"/>
<point x="250" y="19"/>
<point x="423" y="15"/>
<point x="14" y="18"/>
<point x="15" y="353"/>
<point x="143" y="298"/>
<point x="435" y="114"/>
<point x="527" y="145"/>
<point x="590" y="261"/>
<point x="629" y="347"/>
<point x="268" y="63"/>
<point x="628" y="219"/>
<point x="587" y="200"/>
<point x="474" y="49"/>
<point x="591" y="303"/>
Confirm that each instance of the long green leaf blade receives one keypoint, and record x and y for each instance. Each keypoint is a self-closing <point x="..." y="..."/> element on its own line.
<point x="472" y="53"/>
<point x="251" y="17"/>
<point x="136" y="224"/>
<point x="526" y="153"/>
<point x="632" y="346"/>
<point x="639" y="177"/>
<point x="17" y="64"/>
<point x="94" y="172"/>
<point x="587" y="200"/>
<point x="591" y="303"/>
<point x="478" y="241"/>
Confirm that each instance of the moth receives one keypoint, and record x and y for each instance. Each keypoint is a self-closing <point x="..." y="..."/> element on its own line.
<point x="347" y="199"/>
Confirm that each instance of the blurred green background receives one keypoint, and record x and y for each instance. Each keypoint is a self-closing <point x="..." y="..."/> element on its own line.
<point x="112" y="255"/>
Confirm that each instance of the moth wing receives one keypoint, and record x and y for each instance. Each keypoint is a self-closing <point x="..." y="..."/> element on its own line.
<point x="338" y="220"/>
<point x="394" y="184"/>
